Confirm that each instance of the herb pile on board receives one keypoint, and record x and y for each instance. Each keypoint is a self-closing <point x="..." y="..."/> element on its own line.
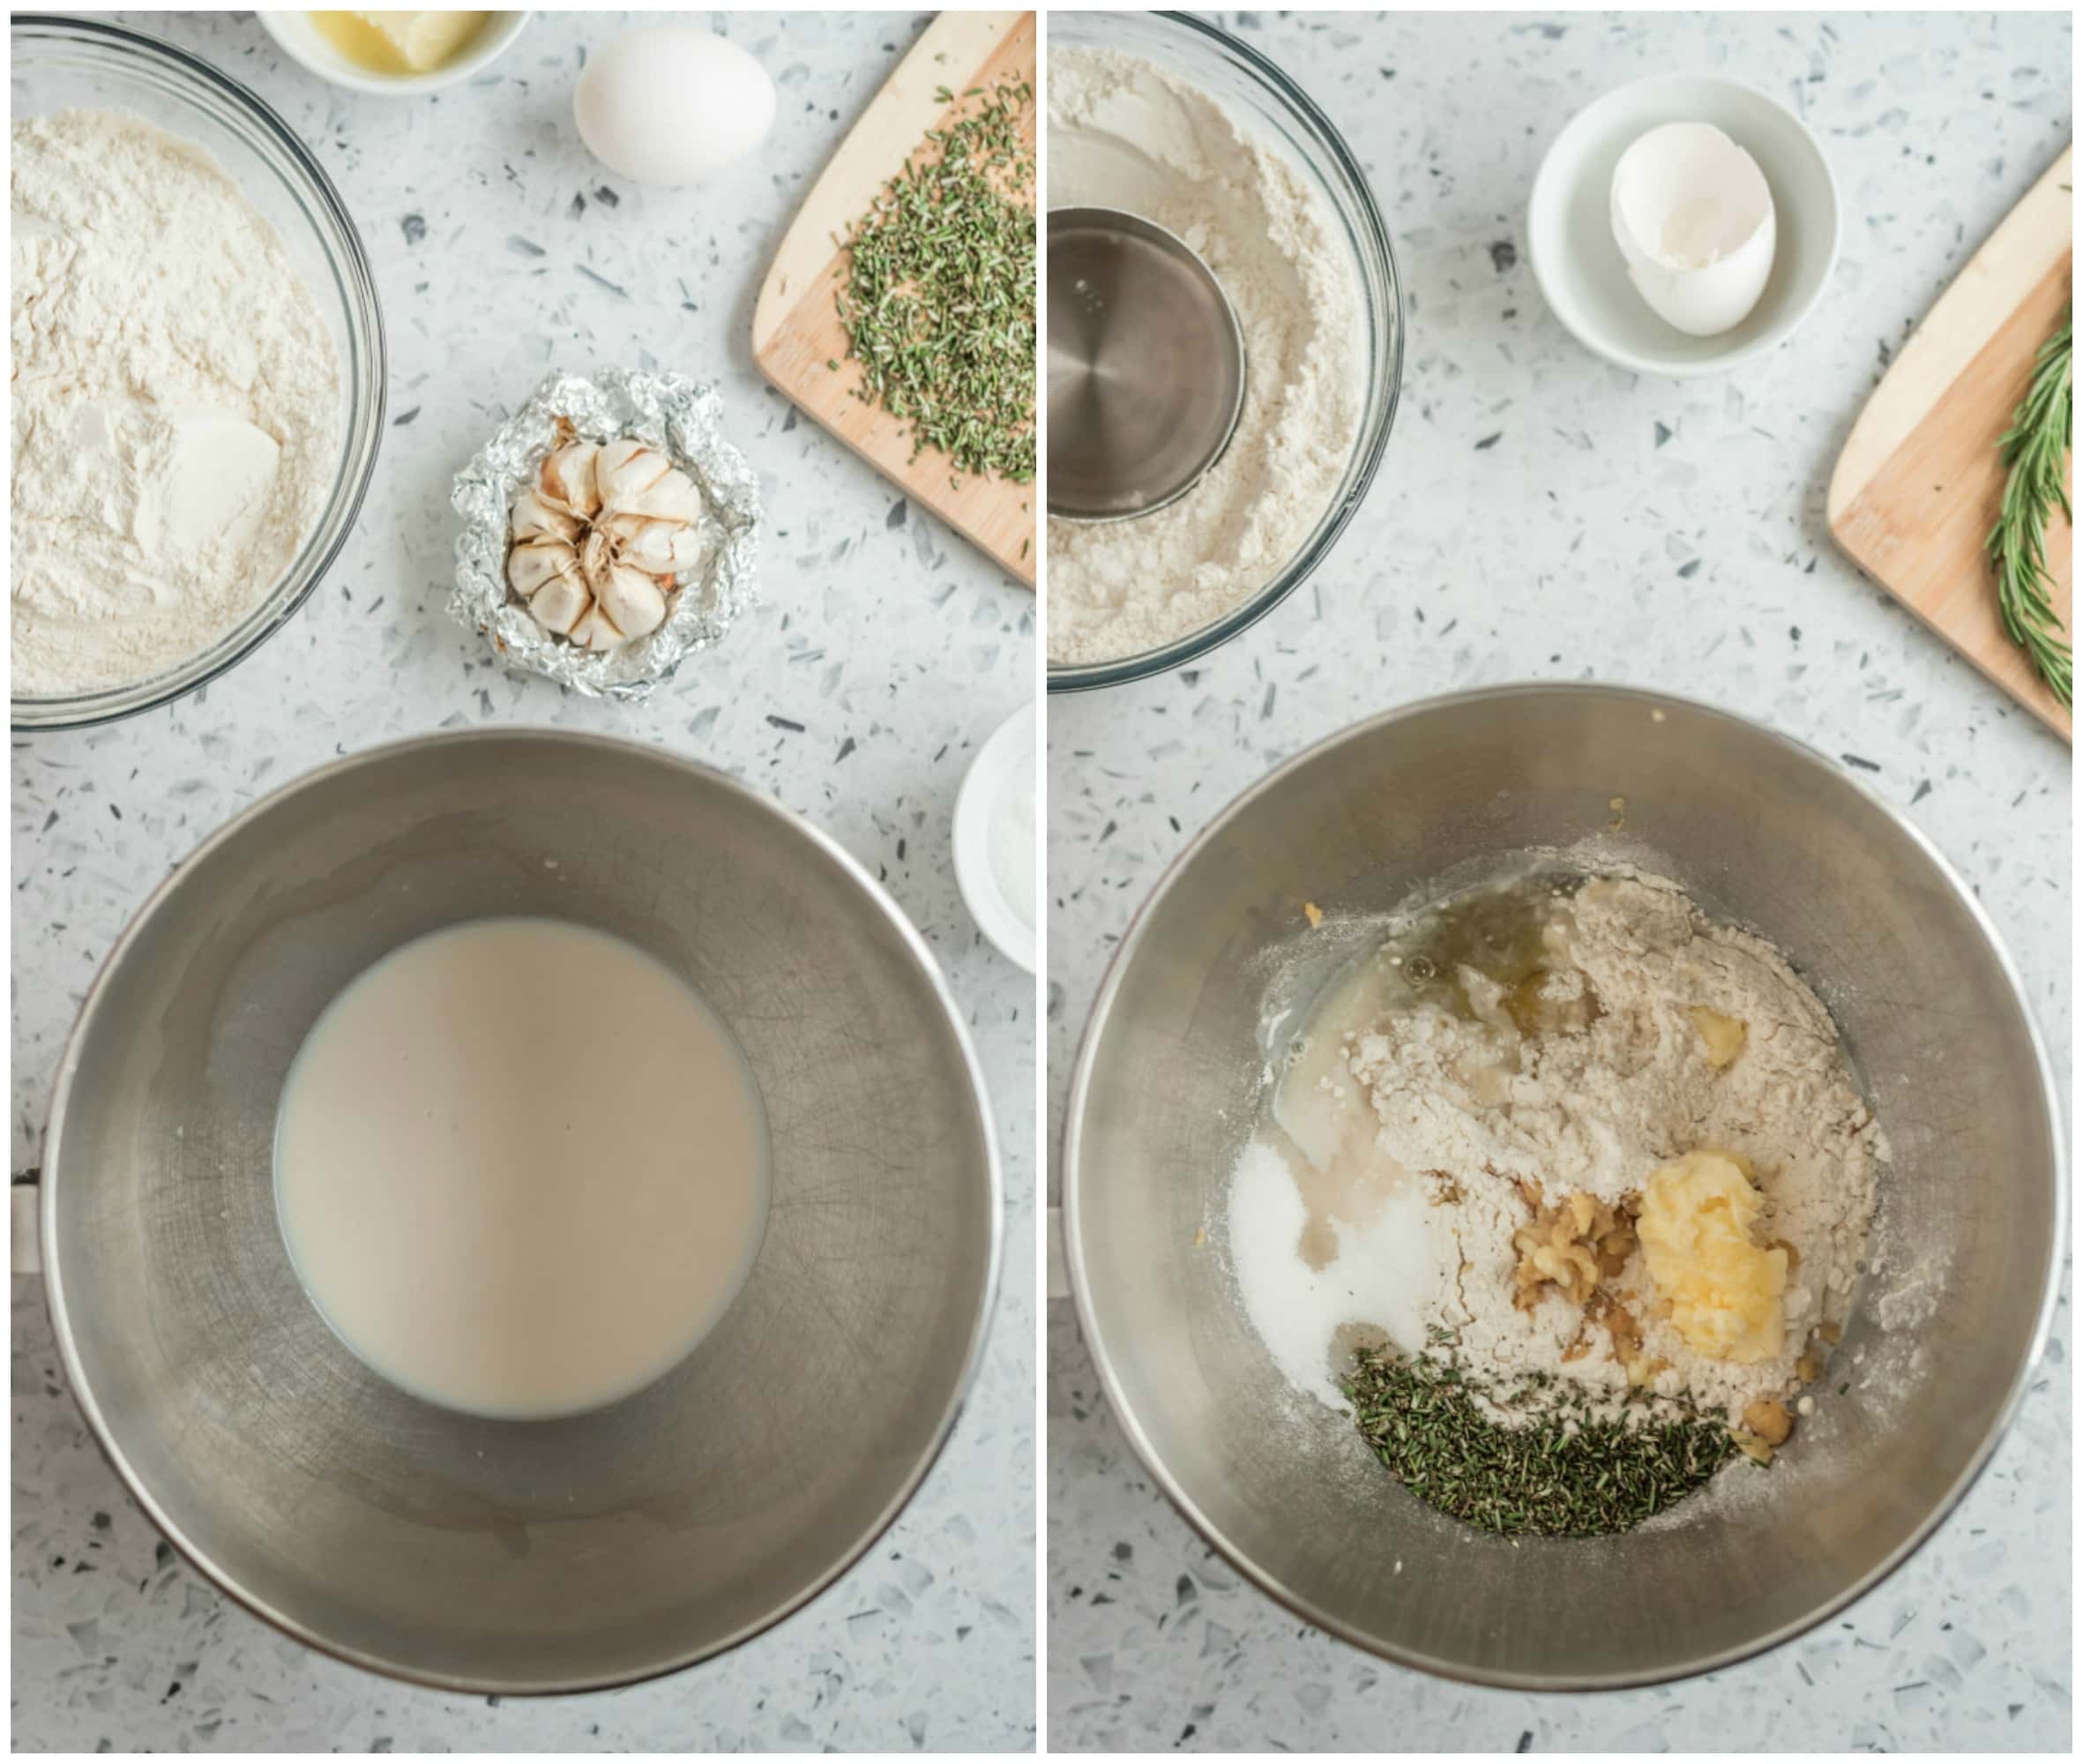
<point x="938" y="297"/>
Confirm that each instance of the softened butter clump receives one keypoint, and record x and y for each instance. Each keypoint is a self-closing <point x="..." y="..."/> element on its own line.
<point x="1726" y="1294"/>
<point x="1723" y="1035"/>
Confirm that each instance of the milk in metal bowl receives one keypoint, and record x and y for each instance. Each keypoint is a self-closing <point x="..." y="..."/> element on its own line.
<point x="521" y="1167"/>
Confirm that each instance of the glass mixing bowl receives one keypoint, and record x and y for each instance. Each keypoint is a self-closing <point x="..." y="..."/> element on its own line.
<point x="63" y="63"/>
<point x="1257" y="90"/>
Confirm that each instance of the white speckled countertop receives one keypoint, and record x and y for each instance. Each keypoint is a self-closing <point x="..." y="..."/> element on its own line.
<point x="1540" y="513"/>
<point x="887" y="650"/>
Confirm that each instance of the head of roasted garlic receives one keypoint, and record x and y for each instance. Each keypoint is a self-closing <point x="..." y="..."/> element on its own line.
<point x="601" y="539"/>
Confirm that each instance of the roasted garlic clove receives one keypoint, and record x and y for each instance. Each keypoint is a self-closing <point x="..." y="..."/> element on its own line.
<point x="635" y="479"/>
<point x="633" y="601"/>
<point x="561" y="604"/>
<point x="1771" y="1421"/>
<point x="597" y="631"/>
<point x="672" y="497"/>
<point x="536" y="517"/>
<point x="627" y="469"/>
<point x="533" y="566"/>
<point x="570" y="478"/>
<point x="660" y="548"/>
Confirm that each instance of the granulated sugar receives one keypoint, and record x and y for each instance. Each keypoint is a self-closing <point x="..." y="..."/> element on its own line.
<point x="1379" y="1279"/>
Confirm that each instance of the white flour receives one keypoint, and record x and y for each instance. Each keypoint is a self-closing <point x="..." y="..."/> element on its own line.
<point x="1471" y="1106"/>
<point x="1125" y="134"/>
<point x="176" y="402"/>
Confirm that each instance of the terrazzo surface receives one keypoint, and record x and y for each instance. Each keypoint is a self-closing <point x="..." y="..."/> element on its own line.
<point x="885" y="651"/>
<point x="1541" y="515"/>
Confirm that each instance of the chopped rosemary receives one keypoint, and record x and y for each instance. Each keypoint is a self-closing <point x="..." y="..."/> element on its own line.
<point x="2035" y="451"/>
<point x="1564" y="1474"/>
<point x="938" y="296"/>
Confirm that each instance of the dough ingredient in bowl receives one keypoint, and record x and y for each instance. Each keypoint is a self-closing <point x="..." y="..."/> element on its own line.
<point x="176" y="403"/>
<point x="1560" y="1173"/>
<point x="1126" y="134"/>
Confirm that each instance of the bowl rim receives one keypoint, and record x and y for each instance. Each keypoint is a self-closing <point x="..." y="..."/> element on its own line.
<point x="1182" y="652"/>
<point x="1081" y="1080"/>
<point x="112" y="704"/>
<point x="958" y="1394"/>
<point x="497" y="35"/>
<point x="1547" y="276"/>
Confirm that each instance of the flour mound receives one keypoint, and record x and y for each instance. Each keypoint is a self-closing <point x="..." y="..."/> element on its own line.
<point x="175" y="404"/>
<point x="1125" y="134"/>
<point x="1476" y="1103"/>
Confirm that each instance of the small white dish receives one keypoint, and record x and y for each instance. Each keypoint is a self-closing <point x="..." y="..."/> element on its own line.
<point x="1000" y="775"/>
<point x="1578" y="264"/>
<point x="306" y="45"/>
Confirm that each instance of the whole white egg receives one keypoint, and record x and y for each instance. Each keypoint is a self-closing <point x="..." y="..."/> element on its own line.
<point x="672" y="104"/>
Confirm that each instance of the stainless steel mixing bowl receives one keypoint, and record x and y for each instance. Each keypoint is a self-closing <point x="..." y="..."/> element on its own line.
<point x="507" y="1555"/>
<point x="1966" y="1249"/>
<point x="1146" y="371"/>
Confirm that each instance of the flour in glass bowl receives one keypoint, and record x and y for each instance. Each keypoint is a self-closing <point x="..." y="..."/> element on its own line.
<point x="174" y="406"/>
<point x="1127" y="134"/>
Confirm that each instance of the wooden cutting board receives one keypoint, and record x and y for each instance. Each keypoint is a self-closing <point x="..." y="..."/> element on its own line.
<point x="795" y="328"/>
<point x="1918" y="486"/>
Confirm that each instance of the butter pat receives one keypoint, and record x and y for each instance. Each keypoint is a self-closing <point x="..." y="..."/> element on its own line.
<point x="1724" y="1035"/>
<point x="426" y="41"/>
<point x="1725" y="1295"/>
<point x="399" y="42"/>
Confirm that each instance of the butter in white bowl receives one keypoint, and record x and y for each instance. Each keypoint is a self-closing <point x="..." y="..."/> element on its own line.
<point x="393" y="55"/>
<point x="400" y="42"/>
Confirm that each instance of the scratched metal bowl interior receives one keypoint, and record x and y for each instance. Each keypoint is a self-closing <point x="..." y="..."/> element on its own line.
<point x="497" y="1555"/>
<point x="1762" y="832"/>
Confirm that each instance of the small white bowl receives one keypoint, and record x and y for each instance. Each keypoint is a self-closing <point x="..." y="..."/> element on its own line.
<point x="304" y="44"/>
<point x="1003" y="764"/>
<point x="1578" y="264"/>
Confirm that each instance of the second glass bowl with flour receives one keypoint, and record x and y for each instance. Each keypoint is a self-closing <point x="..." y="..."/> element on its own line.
<point x="1174" y="123"/>
<point x="235" y="455"/>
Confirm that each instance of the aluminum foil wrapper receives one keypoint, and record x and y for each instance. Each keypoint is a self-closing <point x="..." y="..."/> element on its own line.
<point x="683" y="420"/>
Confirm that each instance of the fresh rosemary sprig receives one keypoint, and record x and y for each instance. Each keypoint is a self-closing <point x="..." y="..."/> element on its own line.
<point x="2035" y="449"/>
<point x="1563" y="1474"/>
<point x="938" y="298"/>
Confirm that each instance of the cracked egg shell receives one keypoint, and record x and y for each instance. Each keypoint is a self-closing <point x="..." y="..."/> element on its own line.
<point x="1693" y="216"/>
